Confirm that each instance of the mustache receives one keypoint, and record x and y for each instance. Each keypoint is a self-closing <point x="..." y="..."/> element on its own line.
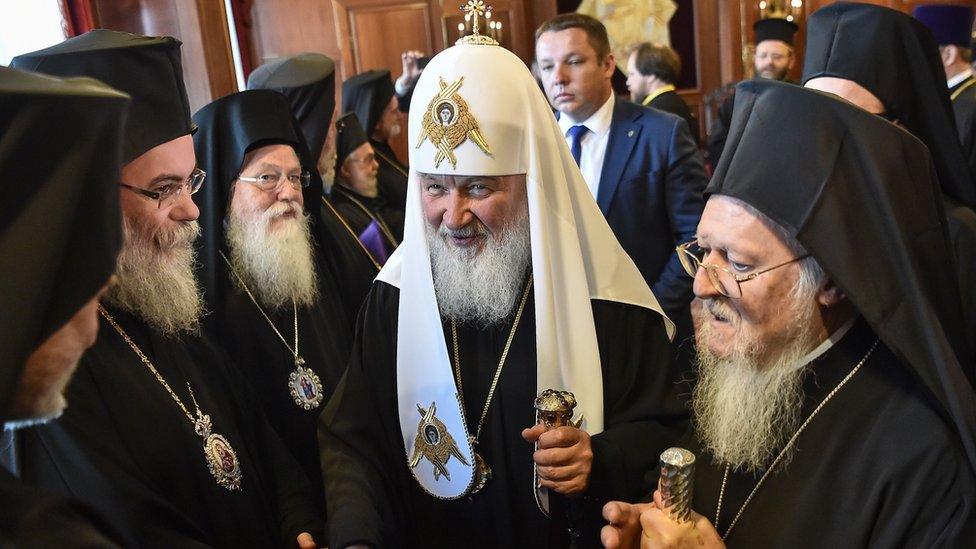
<point x="475" y="228"/>
<point x="281" y="208"/>
<point x="721" y="310"/>
<point x="181" y="236"/>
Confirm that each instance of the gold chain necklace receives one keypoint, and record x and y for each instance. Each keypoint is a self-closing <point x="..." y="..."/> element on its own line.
<point x="786" y="447"/>
<point x="221" y="458"/>
<point x="482" y="470"/>
<point x="304" y="384"/>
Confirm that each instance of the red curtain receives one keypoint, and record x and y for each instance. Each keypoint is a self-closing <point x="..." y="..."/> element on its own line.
<point x="78" y="17"/>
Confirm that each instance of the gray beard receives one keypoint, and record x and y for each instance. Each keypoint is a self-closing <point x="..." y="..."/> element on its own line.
<point x="480" y="287"/>
<point x="278" y="267"/>
<point x="745" y="411"/>
<point x="156" y="281"/>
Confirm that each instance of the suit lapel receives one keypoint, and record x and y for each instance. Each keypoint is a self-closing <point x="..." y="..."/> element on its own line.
<point x="624" y="134"/>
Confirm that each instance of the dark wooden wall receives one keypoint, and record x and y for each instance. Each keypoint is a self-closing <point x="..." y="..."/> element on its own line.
<point x="202" y="26"/>
<point x="713" y="35"/>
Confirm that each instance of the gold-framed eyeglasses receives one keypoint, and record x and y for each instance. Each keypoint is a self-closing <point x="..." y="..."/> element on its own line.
<point x="272" y="182"/>
<point x="725" y="282"/>
<point x="167" y="195"/>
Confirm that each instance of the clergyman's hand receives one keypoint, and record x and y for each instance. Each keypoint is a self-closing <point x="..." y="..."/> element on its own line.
<point x="564" y="458"/>
<point x="411" y="69"/>
<point x="624" y="529"/>
<point x="659" y="531"/>
<point x="306" y="541"/>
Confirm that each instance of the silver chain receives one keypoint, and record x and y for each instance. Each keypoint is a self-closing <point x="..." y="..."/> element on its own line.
<point x="786" y="447"/>
<point x="294" y="308"/>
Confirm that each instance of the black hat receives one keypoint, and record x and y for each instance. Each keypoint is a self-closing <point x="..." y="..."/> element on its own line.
<point x="367" y="94"/>
<point x="149" y="69"/>
<point x="229" y="128"/>
<point x="308" y="81"/>
<point x="859" y="193"/>
<point x="775" y="29"/>
<point x="350" y="137"/>
<point x="845" y="39"/>
<point x="951" y="25"/>
<point x="60" y="227"/>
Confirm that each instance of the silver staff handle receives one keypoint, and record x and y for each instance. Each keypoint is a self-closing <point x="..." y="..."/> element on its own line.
<point x="677" y="482"/>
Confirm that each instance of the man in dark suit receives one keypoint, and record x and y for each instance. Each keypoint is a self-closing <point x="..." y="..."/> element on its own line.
<point x="641" y="164"/>
<point x="652" y="72"/>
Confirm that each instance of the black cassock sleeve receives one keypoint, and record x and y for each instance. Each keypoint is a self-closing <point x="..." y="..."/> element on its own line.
<point x="30" y="518"/>
<point x="354" y="448"/>
<point x="645" y="410"/>
<point x="288" y="484"/>
<point x="79" y="456"/>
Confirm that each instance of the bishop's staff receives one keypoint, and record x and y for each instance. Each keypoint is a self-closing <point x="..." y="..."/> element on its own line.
<point x="677" y="483"/>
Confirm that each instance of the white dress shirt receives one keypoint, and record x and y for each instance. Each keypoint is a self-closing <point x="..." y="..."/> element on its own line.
<point x="957" y="79"/>
<point x="594" y="142"/>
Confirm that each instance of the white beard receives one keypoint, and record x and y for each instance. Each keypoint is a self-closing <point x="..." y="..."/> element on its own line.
<point x="480" y="287"/>
<point x="156" y="281"/>
<point x="277" y="266"/>
<point x="746" y="411"/>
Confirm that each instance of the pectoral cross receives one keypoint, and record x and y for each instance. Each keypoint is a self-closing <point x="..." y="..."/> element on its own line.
<point x="474" y="10"/>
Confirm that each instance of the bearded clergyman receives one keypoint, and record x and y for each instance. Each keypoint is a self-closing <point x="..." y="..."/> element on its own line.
<point x="509" y="283"/>
<point x="162" y="434"/>
<point x="830" y="409"/>
<point x="61" y="232"/>
<point x="356" y="193"/>
<point x="307" y="81"/>
<point x="276" y="307"/>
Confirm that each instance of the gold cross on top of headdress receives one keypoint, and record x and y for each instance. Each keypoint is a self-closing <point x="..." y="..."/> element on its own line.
<point x="474" y="10"/>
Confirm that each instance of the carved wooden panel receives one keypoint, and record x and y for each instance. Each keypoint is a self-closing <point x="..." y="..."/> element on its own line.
<point x="280" y="28"/>
<point x="378" y="34"/>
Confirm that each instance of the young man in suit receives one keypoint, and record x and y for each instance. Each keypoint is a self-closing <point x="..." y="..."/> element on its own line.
<point x="652" y="72"/>
<point x="641" y="164"/>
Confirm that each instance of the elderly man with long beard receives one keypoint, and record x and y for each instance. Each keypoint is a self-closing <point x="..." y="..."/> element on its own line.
<point x="276" y="306"/>
<point x="307" y="81"/>
<point x="162" y="435"/>
<point x="509" y="283"/>
<point x="831" y="409"/>
<point x="60" y="235"/>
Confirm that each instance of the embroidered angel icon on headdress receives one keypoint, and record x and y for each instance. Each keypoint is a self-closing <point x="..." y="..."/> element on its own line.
<point x="448" y="122"/>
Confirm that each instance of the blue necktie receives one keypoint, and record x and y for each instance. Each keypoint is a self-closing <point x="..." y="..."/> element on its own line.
<point x="576" y="133"/>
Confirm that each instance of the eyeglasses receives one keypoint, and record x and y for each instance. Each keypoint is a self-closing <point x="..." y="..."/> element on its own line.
<point x="725" y="281"/>
<point x="167" y="195"/>
<point x="365" y="160"/>
<point x="271" y="182"/>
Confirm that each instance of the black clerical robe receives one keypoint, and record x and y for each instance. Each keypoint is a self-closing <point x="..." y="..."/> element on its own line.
<point x="359" y="211"/>
<point x="877" y="467"/>
<point x="963" y="97"/>
<point x="124" y="447"/>
<point x="351" y="263"/>
<point x="392" y="177"/>
<point x="324" y="339"/>
<point x="31" y="518"/>
<point x="372" y="496"/>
